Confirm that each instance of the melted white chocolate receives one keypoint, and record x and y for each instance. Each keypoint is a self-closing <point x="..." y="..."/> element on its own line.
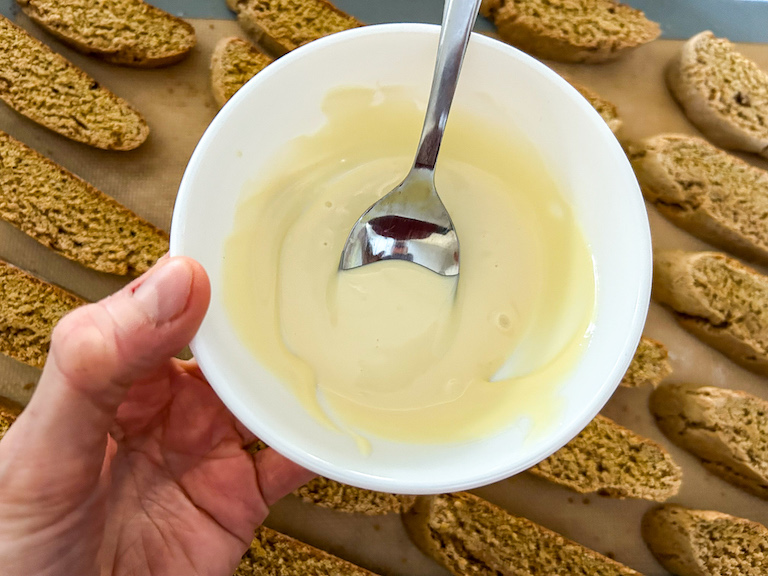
<point x="392" y="349"/>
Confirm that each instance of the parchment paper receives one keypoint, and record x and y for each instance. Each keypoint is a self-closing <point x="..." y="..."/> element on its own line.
<point x="178" y="106"/>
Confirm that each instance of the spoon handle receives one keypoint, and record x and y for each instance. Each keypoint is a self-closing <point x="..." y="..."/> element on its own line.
<point x="458" y="19"/>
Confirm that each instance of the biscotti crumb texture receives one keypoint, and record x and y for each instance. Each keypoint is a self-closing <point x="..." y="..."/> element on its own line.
<point x="705" y="542"/>
<point x="71" y="217"/>
<point x="571" y="30"/>
<point x="274" y="554"/>
<point x="706" y="191"/>
<point x="127" y="32"/>
<point x="608" y="459"/>
<point x="29" y="310"/>
<point x="234" y="62"/>
<point x="9" y="411"/>
<point x="718" y="299"/>
<point x="649" y="366"/>
<point x="468" y="535"/>
<point x="48" y="89"/>
<point x="723" y="93"/>
<point x="726" y="429"/>
<point x="343" y="498"/>
<point x="279" y="26"/>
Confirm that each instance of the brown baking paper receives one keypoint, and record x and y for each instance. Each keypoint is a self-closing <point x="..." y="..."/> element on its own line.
<point x="178" y="106"/>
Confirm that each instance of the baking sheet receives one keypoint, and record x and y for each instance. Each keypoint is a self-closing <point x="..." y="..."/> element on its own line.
<point x="178" y="106"/>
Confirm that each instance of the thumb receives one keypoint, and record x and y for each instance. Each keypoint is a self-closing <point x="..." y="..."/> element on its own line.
<point x="99" y="350"/>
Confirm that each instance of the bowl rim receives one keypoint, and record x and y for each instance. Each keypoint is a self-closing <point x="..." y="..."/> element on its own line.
<point x="559" y="436"/>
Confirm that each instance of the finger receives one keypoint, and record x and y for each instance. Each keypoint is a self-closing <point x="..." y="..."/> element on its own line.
<point x="278" y="476"/>
<point x="97" y="351"/>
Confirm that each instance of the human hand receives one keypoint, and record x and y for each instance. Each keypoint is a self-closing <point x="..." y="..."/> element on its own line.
<point x="125" y="462"/>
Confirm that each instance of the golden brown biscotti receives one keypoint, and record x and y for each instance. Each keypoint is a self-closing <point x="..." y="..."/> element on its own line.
<point x="29" y="309"/>
<point x="126" y="32"/>
<point x="571" y="30"/>
<point x="470" y="536"/>
<point x="705" y="543"/>
<point x="608" y="459"/>
<point x="719" y="300"/>
<point x="706" y="191"/>
<point x="9" y="411"/>
<point x="649" y="366"/>
<point x="337" y="496"/>
<point x="274" y="554"/>
<point x="726" y="429"/>
<point x="71" y="217"/>
<point x="605" y="108"/>
<point x="279" y="26"/>
<point x="48" y="89"/>
<point x="234" y="62"/>
<point x="722" y="92"/>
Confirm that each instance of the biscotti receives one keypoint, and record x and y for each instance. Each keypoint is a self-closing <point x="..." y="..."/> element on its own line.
<point x="29" y="309"/>
<point x="705" y="543"/>
<point x="718" y="299"/>
<point x="605" y="108"/>
<point x="9" y="411"/>
<point x="71" y="217"/>
<point x="279" y="26"/>
<point x="649" y="366"/>
<point x="706" y="191"/>
<point x="234" y="62"/>
<point x="274" y="554"/>
<point x="722" y="92"/>
<point x="48" y="89"/>
<point x="126" y="32"/>
<point x="606" y="458"/>
<point x="726" y="429"/>
<point x="571" y="31"/>
<point x="468" y="535"/>
<point x="337" y="496"/>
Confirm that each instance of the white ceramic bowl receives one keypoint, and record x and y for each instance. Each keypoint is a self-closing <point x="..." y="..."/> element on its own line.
<point x="283" y="102"/>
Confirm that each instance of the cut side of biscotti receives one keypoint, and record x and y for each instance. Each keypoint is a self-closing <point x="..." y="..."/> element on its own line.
<point x="274" y="554"/>
<point x="726" y="429"/>
<point x="706" y="191"/>
<point x="279" y="26"/>
<point x="234" y="62"/>
<point x="705" y="542"/>
<point x="468" y="535"/>
<point x="724" y="93"/>
<point x="71" y="217"/>
<point x="718" y="299"/>
<point x="649" y="366"/>
<point x="9" y="411"/>
<point x="605" y="108"/>
<point x="337" y="496"/>
<point x="571" y="30"/>
<point x="29" y="310"/>
<point x="48" y="89"/>
<point x="126" y="32"/>
<point x="608" y="459"/>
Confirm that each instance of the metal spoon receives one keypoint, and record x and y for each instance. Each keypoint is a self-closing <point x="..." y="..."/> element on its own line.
<point x="411" y="222"/>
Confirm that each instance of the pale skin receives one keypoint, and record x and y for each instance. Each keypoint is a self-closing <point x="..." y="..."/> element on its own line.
<point x="125" y="462"/>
